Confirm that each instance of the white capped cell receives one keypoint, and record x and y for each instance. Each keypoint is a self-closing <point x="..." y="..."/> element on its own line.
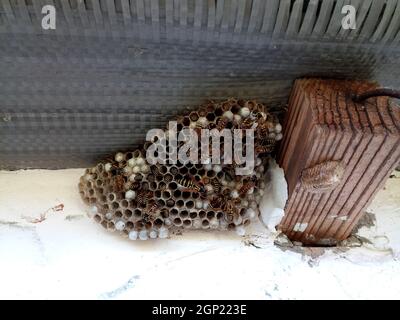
<point x="228" y="115"/>
<point x="240" y="231"/>
<point x="143" y="235"/>
<point x="120" y="225"/>
<point x="132" y="162"/>
<point x="127" y="170"/>
<point x="202" y="121"/>
<point x="217" y="168"/>
<point x="130" y="194"/>
<point x="136" y="169"/>
<point x="133" y="235"/>
<point x="119" y="157"/>
<point x="234" y="194"/>
<point x="163" y="233"/>
<point x="244" y="112"/>
<point x="199" y="204"/>
<point x="251" y="213"/>
<point x="153" y="234"/>
<point x="237" y="118"/>
<point x="145" y="168"/>
<point x="140" y="161"/>
<point x="108" y="215"/>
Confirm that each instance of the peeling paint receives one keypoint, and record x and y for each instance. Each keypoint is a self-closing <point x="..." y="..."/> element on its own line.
<point x="300" y="226"/>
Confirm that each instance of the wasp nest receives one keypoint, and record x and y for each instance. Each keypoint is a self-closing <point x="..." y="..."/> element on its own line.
<point x="142" y="200"/>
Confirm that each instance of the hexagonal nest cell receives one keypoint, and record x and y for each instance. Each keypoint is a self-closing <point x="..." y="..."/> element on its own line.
<point x="143" y="199"/>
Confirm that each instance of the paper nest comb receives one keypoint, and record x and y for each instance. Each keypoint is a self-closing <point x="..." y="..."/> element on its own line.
<point x="128" y="195"/>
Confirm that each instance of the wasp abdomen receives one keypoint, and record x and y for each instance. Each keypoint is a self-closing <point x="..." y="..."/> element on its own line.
<point x="188" y="184"/>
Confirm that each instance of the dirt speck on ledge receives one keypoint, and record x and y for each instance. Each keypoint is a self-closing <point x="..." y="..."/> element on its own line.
<point x="368" y="220"/>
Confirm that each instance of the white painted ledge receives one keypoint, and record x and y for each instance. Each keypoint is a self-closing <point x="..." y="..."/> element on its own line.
<point x="69" y="256"/>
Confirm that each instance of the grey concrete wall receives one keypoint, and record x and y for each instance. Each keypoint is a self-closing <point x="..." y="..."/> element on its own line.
<point x="113" y="69"/>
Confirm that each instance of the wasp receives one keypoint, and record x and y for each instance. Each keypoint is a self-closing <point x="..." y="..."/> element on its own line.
<point x="145" y="218"/>
<point x="258" y="115"/>
<point x="253" y="115"/>
<point x="221" y="123"/>
<point x="216" y="185"/>
<point x="143" y="196"/>
<point x="118" y="182"/>
<point x="265" y="145"/>
<point x="230" y="209"/>
<point x="264" y="149"/>
<point x="217" y="202"/>
<point x="263" y="128"/>
<point x="247" y="123"/>
<point x="251" y="104"/>
<point x="152" y="208"/>
<point x="267" y="141"/>
<point x="191" y="185"/>
<point x="135" y="185"/>
<point x="116" y="167"/>
<point x="245" y="188"/>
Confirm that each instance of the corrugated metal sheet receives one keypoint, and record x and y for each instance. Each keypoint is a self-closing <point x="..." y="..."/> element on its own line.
<point x="113" y="69"/>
